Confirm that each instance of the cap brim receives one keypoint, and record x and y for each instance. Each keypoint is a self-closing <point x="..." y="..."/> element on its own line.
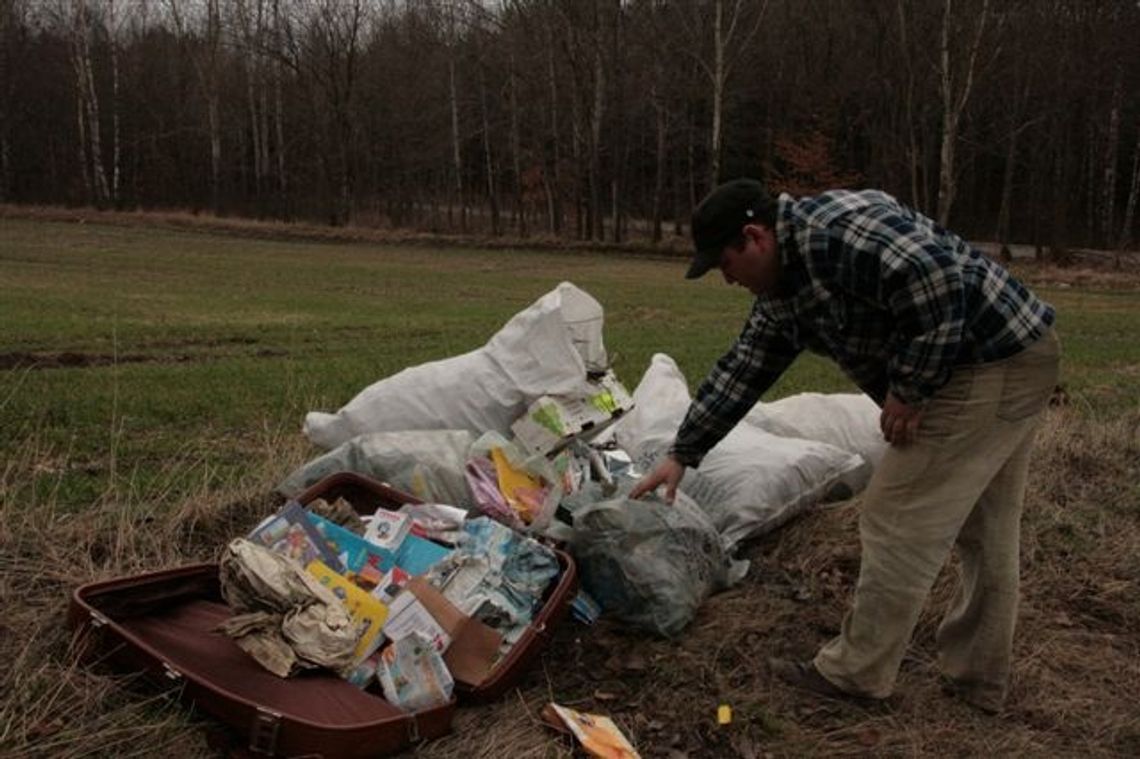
<point x="702" y="263"/>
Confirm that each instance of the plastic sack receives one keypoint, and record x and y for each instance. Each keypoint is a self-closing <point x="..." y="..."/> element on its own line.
<point x="752" y="481"/>
<point x="548" y="348"/>
<point x="511" y="487"/>
<point x="846" y="420"/>
<point x="651" y="564"/>
<point x="426" y="463"/>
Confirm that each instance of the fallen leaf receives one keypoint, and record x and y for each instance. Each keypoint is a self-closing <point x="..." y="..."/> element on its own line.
<point x="636" y="663"/>
<point x="601" y="695"/>
<point x="869" y="737"/>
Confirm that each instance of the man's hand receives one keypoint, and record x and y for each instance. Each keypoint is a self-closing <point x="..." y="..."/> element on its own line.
<point x="899" y="421"/>
<point x="668" y="473"/>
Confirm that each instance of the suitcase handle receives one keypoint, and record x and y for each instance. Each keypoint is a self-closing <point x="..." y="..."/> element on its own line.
<point x="263" y="732"/>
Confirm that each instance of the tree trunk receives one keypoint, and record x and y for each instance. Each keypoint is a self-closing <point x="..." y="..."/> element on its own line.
<point x="955" y="96"/>
<point x="662" y="156"/>
<point x="116" y="152"/>
<point x="1111" y="156"/>
<point x="908" y="97"/>
<point x="554" y="183"/>
<point x="279" y="112"/>
<point x="492" y="190"/>
<point x="516" y="150"/>
<point x="1007" y="193"/>
<point x="597" y="227"/>
<point x="456" y="156"/>
<point x="718" y="81"/>
<point x="1133" y="190"/>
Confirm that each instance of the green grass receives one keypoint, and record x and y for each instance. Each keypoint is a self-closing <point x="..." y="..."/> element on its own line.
<point x="209" y="343"/>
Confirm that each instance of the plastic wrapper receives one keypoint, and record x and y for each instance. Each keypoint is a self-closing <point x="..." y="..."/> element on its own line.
<point x="496" y="576"/>
<point x="413" y="675"/>
<point x="518" y="490"/>
<point x="651" y="564"/>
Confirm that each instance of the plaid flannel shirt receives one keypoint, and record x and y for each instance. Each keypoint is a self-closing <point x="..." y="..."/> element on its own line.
<point x="896" y="300"/>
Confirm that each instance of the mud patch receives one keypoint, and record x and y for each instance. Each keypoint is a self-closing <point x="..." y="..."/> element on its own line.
<point x="71" y="360"/>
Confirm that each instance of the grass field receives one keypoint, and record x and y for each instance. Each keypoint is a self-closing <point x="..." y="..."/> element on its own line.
<point x="152" y="387"/>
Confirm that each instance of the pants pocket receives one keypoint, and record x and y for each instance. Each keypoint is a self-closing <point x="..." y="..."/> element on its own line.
<point x="1029" y="380"/>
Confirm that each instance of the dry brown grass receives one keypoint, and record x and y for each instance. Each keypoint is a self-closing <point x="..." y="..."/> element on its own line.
<point x="1076" y="682"/>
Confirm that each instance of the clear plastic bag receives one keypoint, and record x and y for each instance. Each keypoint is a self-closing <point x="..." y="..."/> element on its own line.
<point x="649" y="563"/>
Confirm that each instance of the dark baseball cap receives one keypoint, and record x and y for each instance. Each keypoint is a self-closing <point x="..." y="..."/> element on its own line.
<point x="720" y="217"/>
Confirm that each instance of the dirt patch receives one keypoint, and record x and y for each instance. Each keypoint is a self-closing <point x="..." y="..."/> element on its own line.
<point x="37" y="360"/>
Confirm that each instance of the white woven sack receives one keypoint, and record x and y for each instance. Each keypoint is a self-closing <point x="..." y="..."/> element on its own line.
<point x="547" y="348"/>
<point x="752" y="481"/>
<point x="846" y="420"/>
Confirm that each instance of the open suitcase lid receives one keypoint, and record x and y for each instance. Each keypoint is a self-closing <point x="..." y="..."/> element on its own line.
<point x="366" y="495"/>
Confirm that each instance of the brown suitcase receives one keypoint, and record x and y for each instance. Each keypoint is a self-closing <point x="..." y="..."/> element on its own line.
<point x="162" y="623"/>
<point x="366" y="495"/>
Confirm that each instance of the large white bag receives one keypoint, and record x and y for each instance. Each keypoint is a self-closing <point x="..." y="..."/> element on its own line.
<point x="426" y="463"/>
<point x="846" y="420"/>
<point x="752" y="481"/>
<point x="546" y="349"/>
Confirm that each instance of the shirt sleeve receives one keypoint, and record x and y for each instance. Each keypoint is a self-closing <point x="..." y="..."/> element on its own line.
<point x="921" y="286"/>
<point x="757" y="359"/>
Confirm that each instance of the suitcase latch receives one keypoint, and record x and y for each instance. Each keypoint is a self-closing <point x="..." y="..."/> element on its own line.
<point x="97" y="619"/>
<point x="170" y="672"/>
<point x="263" y="732"/>
<point x="413" y="729"/>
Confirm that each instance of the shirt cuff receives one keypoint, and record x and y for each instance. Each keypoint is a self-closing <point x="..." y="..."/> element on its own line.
<point x="686" y="456"/>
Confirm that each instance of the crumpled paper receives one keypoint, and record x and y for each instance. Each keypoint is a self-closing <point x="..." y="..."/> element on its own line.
<point x="284" y="619"/>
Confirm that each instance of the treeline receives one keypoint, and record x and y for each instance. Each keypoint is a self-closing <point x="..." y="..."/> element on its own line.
<point x="1015" y="120"/>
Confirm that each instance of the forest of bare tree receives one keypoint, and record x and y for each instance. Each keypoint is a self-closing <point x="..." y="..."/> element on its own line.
<point x="1011" y="120"/>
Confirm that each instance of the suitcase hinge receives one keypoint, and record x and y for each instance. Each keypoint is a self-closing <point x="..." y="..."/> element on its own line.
<point x="413" y="729"/>
<point x="263" y="732"/>
<point x="97" y="619"/>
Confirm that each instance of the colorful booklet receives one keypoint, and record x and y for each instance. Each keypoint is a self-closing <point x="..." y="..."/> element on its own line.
<point x="388" y="529"/>
<point x="367" y="611"/>
<point x="354" y="551"/>
<point x="292" y="533"/>
<point x="599" y="736"/>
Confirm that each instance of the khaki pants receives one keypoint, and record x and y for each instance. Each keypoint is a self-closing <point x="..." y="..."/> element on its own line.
<point x="962" y="483"/>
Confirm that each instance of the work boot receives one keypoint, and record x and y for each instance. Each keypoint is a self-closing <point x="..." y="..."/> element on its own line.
<point x="977" y="695"/>
<point x="804" y="675"/>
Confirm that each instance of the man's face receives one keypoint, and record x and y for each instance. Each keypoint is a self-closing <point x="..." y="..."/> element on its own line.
<point x="755" y="265"/>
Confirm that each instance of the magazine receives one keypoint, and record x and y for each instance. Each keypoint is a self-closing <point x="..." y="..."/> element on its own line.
<point x="599" y="736"/>
<point x="291" y="533"/>
<point x="368" y="612"/>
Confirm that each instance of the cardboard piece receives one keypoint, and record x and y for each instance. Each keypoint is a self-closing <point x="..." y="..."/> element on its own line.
<point x="407" y="616"/>
<point x="553" y="421"/>
<point x="474" y="645"/>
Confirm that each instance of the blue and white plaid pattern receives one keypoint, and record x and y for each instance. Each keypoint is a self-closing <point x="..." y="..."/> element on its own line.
<point x="896" y="300"/>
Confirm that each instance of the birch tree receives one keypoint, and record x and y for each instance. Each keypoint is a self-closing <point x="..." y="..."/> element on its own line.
<point x="958" y="68"/>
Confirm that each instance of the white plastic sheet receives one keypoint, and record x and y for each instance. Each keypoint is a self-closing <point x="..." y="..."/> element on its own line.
<point x="548" y="348"/>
